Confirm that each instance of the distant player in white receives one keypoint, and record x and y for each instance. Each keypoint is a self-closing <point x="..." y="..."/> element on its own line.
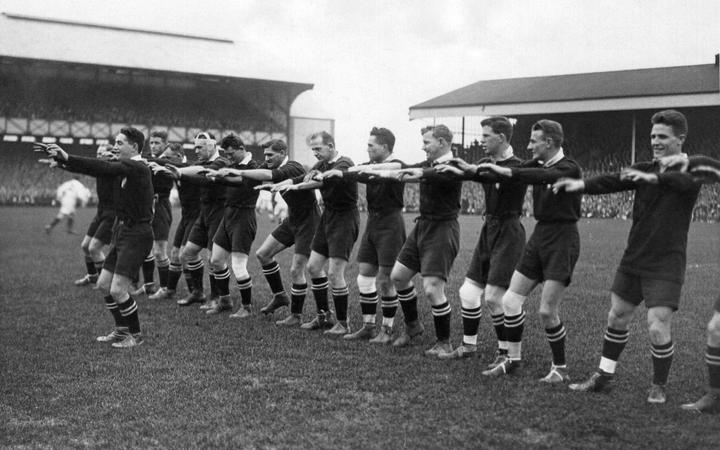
<point x="70" y="195"/>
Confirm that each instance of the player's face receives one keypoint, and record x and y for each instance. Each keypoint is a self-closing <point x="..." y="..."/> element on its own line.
<point x="157" y="146"/>
<point x="323" y="152"/>
<point x="235" y="154"/>
<point x="432" y="146"/>
<point x="664" y="142"/>
<point x="273" y="159"/>
<point x="123" y="147"/>
<point x="204" y="152"/>
<point x="376" y="152"/>
<point x="490" y="142"/>
<point x="539" y="145"/>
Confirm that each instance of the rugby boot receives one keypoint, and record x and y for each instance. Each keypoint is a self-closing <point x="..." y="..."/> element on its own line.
<point x="412" y="330"/>
<point x="86" y="280"/>
<point x="276" y="303"/>
<point x="223" y="304"/>
<point x="384" y="337"/>
<point x="292" y="320"/>
<point x="598" y="382"/>
<point x="557" y="374"/>
<point x="129" y="341"/>
<point x="324" y="319"/>
<point x="708" y="404"/>
<point x="116" y="335"/>
<point x="242" y="312"/>
<point x="209" y="305"/>
<point x="499" y="355"/>
<point x="656" y="394"/>
<point x="367" y="332"/>
<point x="440" y="348"/>
<point x="341" y="328"/>
<point x="193" y="297"/>
<point x="162" y="294"/>
<point x="505" y="367"/>
<point x="463" y="351"/>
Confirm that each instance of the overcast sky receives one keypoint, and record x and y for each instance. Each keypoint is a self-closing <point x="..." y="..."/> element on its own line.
<point x="371" y="60"/>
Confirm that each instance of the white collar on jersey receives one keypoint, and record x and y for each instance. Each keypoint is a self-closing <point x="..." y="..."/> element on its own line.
<point x="215" y="156"/>
<point x="137" y="158"/>
<point x="285" y="161"/>
<point x="444" y="158"/>
<point x="507" y="154"/>
<point x="558" y="156"/>
<point x="246" y="159"/>
<point x="335" y="159"/>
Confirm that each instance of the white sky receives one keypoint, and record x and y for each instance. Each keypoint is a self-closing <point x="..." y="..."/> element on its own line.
<point x="371" y="60"/>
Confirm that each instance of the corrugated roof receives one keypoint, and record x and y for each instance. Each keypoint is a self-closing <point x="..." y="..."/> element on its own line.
<point x="63" y="41"/>
<point x="697" y="79"/>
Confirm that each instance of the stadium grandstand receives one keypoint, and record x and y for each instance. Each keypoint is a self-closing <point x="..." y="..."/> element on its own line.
<point x="78" y="83"/>
<point x="605" y="116"/>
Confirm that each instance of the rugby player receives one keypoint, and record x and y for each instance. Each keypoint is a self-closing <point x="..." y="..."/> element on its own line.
<point x="132" y="237"/>
<point x="652" y="269"/>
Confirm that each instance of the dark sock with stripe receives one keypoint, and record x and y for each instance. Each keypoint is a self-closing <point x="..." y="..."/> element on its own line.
<point x="340" y="299"/>
<point x="441" y="317"/>
<point x="319" y="289"/>
<point x="222" y="281"/>
<point x="163" y="266"/>
<point x="368" y="303"/>
<point x="408" y="303"/>
<point x="99" y="265"/>
<point x="556" y="338"/>
<point x="498" y="321"/>
<point x="148" y="270"/>
<point x="196" y="270"/>
<point x="514" y="326"/>
<point x="245" y="287"/>
<point x="129" y="311"/>
<point x="174" y="273"/>
<point x="213" y="284"/>
<point x="113" y="308"/>
<point x="614" y="343"/>
<point x="389" y="306"/>
<point x="471" y="320"/>
<point x="712" y="358"/>
<point x="662" y="356"/>
<point x="90" y="266"/>
<point x="297" y="297"/>
<point x="273" y="277"/>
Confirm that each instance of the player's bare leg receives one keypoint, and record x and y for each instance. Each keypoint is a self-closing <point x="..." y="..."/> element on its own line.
<point x="401" y="277"/>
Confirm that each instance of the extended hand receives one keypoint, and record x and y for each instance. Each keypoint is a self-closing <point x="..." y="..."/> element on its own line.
<point x="445" y="168"/>
<point x="638" y="176"/>
<point x="568" y="185"/>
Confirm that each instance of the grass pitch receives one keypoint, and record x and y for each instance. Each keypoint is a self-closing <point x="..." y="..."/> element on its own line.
<point x="215" y="382"/>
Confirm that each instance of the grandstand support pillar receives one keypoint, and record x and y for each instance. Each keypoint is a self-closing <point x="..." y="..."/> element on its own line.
<point x="632" y="147"/>
<point x="462" y="137"/>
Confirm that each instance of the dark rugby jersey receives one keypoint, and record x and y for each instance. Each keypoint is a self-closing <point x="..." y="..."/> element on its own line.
<point x="300" y="203"/>
<point x="107" y="188"/>
<point x="439" y="193"/>
<point x="162" y="184"/>
<point x="657" y="243"/>
<point x="338" y="194"/>
<point x="211" y="193"/>
<point x="135" y="200"/>
<point x="382" y="194"/>
<point x="547" y="206"/>
<point x="502" y="199"/>
<point x="189" y="195"/>
<point x="242" y="195"/>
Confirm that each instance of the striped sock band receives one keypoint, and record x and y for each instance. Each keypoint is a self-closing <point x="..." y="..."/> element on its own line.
<point x="297" y="297"/>
<point x="174" y="273"/>
<point x="613" y="345"/>
<point x="340" y="299"/>
<point x="662" y="356"/>
<point x="408" y="302"/>
<point x="712" y="359"/>
<point x="222" y="281"/>
<point x="319" y="287"/>
<point x="245" y="287"/>
<point x="389" y="307"/>
<point x="273" y="277"/>
<point x="163" y="269"/>
<point x="129" y="311"/>
<point x="514" y="326"/>
<point x="556" y="337"/>
<point x="441" y="318"/>
<point x="368" y="306"/>
<point x="113" y="308"/>
<point x="498" y="321"/>
<point x="148" y="269"/>
<point x="471" y="322"/>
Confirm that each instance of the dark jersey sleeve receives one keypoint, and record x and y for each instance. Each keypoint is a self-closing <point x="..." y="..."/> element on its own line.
<point x="96" y="167"/>
<point x="290" y="170"/>
<point x="532" y="173"/>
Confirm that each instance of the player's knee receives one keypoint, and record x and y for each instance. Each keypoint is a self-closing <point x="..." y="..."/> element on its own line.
<point x="384" y="284"/>
<point x="434" y="287"/>
<point x="365" y="284"/>
<point x="297" y="272"/>
<point x="547" y="314"/>
<point x="512" y="303"/>
<point x="659" y="330"/>
<point x="470" y="295"/>
<point x="713" y="327"/>
<point x="336" y="278"/>
<point x="217" y="263"/>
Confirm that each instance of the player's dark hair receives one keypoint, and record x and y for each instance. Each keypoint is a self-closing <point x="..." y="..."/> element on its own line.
<point x="231" y="141"/>
<point x="672" y="118"/>
<point x="135" y="136"/>
<point x="438" y="132"/>
<point x="383" y="136"/>
<point x="276" y="145"/>
<point x="163" y="135"/>
<point x="550" y="129"/>
<point x="499" y="125"/>
<point x="327" y="138"/>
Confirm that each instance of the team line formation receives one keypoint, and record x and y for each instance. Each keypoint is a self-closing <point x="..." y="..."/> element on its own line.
<point x="218" y="193"/>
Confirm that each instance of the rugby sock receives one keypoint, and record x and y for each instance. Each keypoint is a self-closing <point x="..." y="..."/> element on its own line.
<point x="273" y="277"/>
<point x="174" y="273"/>
<point x="245" y="287"/>
<point x="340" y="299"/>
<point x="129" y="311"/>
<point x="514" y="326"/>
<point x="90" y="266"/>
<point x="213" y="284"/>
<point x="113" y="308"/>
<point x="297" y="297"/>
<point x="194" y="275"/>
<point x="662" y="356"/>
<point x="441" y="317"/>
<point x="148" y="269"/>
<point x="99" y="265"/>
<point x="163" y="266"/>
<point x="712" y="358"/>
<point x="368" y="306"/>
<point x="319" y="287"/>
<point x="556" y="338"/>
<point x="389" y="308"/>
<point x="222" y="281"/>
<point x="613" y="345"/>
<point x="408" y="302"/>
<point x="498" y="321"/>
<point x="471" y="323"/>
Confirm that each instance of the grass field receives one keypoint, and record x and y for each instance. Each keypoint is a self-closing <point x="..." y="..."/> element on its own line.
<point x="215" y="382"/>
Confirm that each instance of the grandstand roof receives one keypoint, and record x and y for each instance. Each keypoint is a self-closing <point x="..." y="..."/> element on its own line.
<point x="40" y="38"/>
<point x="697" y="85"/>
